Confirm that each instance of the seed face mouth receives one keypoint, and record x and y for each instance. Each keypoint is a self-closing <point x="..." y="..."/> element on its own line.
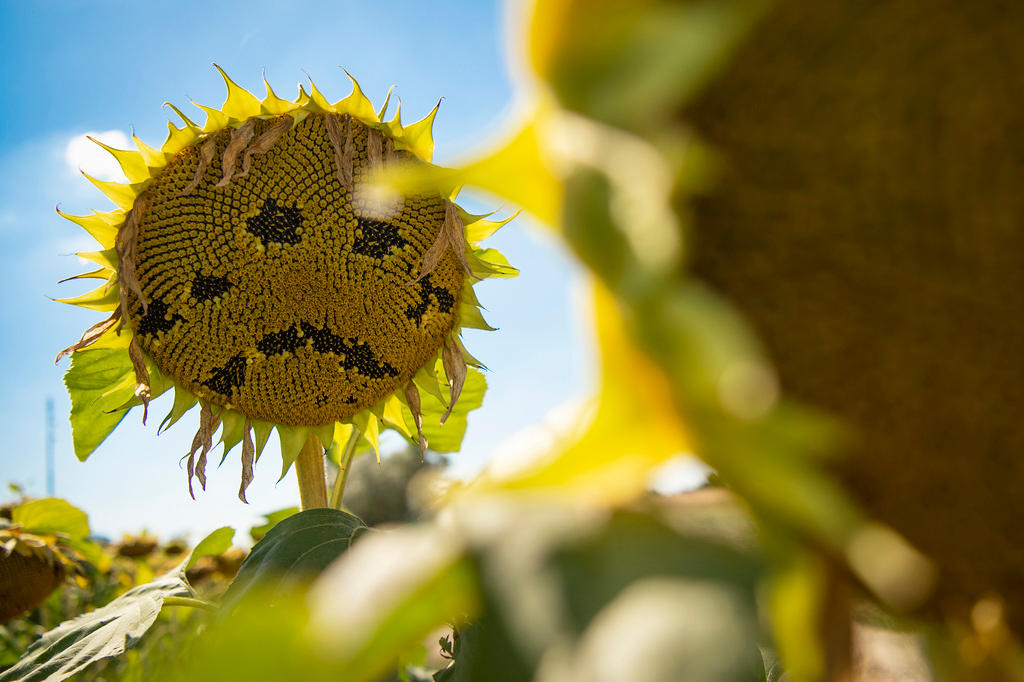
<point x="286" y="293"/>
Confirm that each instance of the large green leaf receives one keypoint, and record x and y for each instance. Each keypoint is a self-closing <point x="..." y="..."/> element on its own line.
<point x="294" y="551"/>
<point x="107" y="631"/>
<point x="99" y="382"/>
<point x="216" y="542"/>
<point x="52" y="515"/>
<point x="271" y="519"/>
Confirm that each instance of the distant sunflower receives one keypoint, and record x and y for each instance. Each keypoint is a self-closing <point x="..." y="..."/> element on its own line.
<point x="254" y="266"/>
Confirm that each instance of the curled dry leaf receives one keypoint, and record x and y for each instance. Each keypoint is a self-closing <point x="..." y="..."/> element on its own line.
<point x="91" y="334"/>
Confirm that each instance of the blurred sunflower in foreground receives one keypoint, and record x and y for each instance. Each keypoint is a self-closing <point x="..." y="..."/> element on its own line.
<point x="253" y="265"/>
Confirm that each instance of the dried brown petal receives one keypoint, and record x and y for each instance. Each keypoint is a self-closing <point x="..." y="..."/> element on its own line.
<point x="264" y="143"/>
<point x="374" y="150"/>
<point x="239" y="139"/>
<point x="333" y="123"/>
<point x="456" y="234"/>
<point x="455" y="370"/>
<point x="451" y="235"/>
<point x="126" y="243"/>
<point x="206" y="152"/>
<point x="346" y="164"/>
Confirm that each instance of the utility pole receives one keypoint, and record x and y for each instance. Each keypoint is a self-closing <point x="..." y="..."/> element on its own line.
<point x="49" y="448"/>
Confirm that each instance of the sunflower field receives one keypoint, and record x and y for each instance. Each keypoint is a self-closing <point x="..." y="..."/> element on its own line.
<point x="800" y="227"/>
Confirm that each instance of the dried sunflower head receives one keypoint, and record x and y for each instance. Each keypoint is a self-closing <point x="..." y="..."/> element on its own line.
<point x="254" y="265"/>
<point x="32" y="565"/>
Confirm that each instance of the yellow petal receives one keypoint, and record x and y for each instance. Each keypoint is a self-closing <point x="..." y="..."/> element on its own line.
<point x="101" y="226"/>
<point x="215" y="119"/>
<point x="240" y="103"/>
<point x="132" y="163"/>
<point x="108" y="258"/>
<point x="153" y="157"/>
<point x="102" y="298"/>
<point x="178" y="138"/>
<point x="420" y="137"/>
<point x="274" y="105"/>
<point x="357" y="104"/>
<point x="123" y="195"/>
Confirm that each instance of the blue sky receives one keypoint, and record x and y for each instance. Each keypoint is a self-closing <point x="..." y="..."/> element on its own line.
<point x="67" y="68"/>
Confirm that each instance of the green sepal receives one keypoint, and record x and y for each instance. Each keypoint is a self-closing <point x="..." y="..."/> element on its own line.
<point x="427" y="381"/>
<point x="292" y="440"/>
<point x="325" y="433"/>
<point x="368" y="426"/>
<point x="490" y="263"/>
<point x="470" y="317"/>
<point x="183" y="402"/>
<point x="342" y="432"/>
<point x="232" y="430"/>
<point x="261" y="434"/>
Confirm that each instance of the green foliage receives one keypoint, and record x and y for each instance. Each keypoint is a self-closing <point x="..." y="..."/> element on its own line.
<point x="293" y="552"/>
<point x="107" y="631"/>
<point x="216" y="542"/>
<point x="95" y="407"/>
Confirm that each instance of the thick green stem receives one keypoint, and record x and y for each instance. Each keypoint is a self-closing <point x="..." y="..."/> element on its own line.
<point x="344" y="464"/>
<point x="309" y="468"/>
<point x="188" y="601"/>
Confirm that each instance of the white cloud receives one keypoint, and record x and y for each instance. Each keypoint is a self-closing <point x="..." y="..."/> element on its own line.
<point x="83" y="154"/>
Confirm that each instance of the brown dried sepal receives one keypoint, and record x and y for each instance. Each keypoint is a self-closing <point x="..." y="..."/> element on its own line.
<point x="90" y="335"/>
<point x="264" y="143"/>
<point x="202" y="443"/>
<point x="451" y="235"/>
<point x="239" y="139"/>
<point x="412" y="397"/>
<point x="248" y="457"/>
<point x="206" y="152"/>
<point x="142" y="385"/>
<point x="455" y="369"/>
<point x="342" y="147"/>
<point x="126" y="243"/>
<point x="374" y="148"/>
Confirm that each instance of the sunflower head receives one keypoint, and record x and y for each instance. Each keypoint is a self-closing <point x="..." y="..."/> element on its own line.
<point x="256" y="264"/>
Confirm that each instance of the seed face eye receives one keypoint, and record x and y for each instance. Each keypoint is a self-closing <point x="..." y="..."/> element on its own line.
<point x="278" y="293"/>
